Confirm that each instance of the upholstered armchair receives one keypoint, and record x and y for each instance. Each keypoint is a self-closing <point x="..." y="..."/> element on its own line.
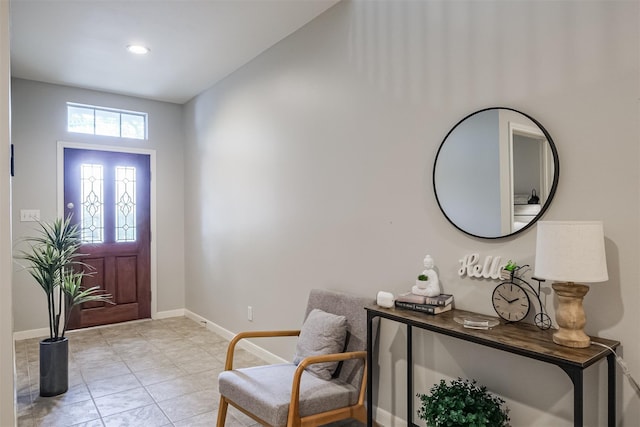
<point x="325" y="382"/>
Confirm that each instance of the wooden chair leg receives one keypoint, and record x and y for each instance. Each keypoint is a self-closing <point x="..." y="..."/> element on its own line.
<point x="360" y="414"/>
<point x="222" y="412"/>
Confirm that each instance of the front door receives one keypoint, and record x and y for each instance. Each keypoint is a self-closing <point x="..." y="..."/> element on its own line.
<point x="107" y="193"/>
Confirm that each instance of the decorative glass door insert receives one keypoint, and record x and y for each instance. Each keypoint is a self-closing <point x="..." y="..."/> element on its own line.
<point x="125" y="204"/>
<point x="92" y="196"/>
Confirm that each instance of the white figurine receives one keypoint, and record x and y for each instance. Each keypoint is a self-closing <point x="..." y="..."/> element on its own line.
<point x="431" y="286"/>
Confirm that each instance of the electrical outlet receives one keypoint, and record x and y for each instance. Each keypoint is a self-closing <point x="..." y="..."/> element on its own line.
<point x="250" y="313"/>
<point x="29" y="215"/>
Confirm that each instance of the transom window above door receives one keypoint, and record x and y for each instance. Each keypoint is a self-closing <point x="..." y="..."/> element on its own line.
<point x="104" y="121"/>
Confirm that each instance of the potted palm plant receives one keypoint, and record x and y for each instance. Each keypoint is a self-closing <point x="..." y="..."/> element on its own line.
<point x="54" y="262"/>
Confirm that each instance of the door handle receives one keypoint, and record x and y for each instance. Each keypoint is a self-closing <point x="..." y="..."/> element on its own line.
<point x="70" y="205"/>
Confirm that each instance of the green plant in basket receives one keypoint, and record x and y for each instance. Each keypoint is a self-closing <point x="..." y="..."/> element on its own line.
<point x="511" y="266"/>
<point x="462" y="404"/>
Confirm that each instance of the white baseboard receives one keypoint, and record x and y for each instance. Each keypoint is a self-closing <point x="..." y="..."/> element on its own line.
<point x="169" y="313"/>
<point x="32" y="333"/>
<point x="387" y="419"/>
<point x="244" y="344"/>
<point x="44" y="332"/>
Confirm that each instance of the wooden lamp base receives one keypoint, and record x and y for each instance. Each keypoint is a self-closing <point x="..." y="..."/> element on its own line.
<point x="570" y="315"/>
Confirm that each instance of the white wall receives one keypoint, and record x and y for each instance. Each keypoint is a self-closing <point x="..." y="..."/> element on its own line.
<point x="311" y="167"/>
<point x="7" y="392"/>
<point x="39" y="121"/>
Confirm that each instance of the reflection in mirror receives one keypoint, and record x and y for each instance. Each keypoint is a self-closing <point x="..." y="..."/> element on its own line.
<point x="495" y="173"/>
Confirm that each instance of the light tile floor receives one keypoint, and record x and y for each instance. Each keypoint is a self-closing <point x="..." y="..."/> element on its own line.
<point x="151" y="373"/>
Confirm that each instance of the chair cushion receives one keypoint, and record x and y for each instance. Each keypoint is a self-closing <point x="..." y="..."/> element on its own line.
<point x="321" y="333"/>
<point x="265" y="391"/>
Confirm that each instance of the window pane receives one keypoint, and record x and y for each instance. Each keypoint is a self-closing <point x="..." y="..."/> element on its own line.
<point x="125" y="204"/>
<point x="133" y="126"/>
<point x="107" y="123"/>
<point x="80" y="119"/>
<point x="92" y="196"/>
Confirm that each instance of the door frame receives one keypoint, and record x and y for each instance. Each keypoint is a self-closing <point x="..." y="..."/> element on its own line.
<point x="152" y="199"/>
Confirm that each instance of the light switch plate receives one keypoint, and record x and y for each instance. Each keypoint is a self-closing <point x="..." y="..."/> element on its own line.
<point x="29" y="215"/>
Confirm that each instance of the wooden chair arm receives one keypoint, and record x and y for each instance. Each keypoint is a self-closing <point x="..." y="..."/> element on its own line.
<point x="253" y="334"/>
<point x="294" y="405"/>
<point x="334" y="357"/>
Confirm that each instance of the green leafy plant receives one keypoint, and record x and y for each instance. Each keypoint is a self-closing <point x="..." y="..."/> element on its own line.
<point x="423" y="277"/>
<point x="511" y="266"/>
<point x="462" y="404"/>
<point x="54" y="263"/>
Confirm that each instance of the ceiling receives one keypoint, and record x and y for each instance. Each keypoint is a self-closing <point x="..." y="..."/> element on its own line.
<point x="194" y="43"/>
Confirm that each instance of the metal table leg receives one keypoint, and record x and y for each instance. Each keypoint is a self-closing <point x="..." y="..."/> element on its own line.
<point x="611" y="395"/>
<point x="576" y="378"/>
<point x="409" y="376"/>
<point x="369" y="369"/>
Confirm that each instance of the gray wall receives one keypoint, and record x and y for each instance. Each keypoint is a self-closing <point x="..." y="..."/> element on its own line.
<point x="311" y="167"/>
<point x="39" y="121"/>
<point x="7" y="391"/>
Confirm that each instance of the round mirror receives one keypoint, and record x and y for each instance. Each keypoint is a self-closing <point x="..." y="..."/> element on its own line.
<point x="495" y="173"/>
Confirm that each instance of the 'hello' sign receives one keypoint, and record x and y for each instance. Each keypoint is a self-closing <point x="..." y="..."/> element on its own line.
<point x="491" y="268"/>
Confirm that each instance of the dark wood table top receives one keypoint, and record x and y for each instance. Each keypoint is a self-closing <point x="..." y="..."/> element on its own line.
<point x="520" y="338"/>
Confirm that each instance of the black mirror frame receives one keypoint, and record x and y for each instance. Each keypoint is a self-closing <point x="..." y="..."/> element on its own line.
<point x="554" y="185"/>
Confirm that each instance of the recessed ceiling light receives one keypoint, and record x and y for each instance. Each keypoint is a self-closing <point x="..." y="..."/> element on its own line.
<point x="138" y="49"/>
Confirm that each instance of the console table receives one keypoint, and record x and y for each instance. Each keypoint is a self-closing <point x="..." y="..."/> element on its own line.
<point x="517" y="338"/>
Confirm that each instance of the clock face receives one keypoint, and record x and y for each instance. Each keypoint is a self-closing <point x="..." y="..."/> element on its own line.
<point x="511" y="302"/>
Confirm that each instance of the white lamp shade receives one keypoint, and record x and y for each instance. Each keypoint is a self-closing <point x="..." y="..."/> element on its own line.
<point x="571" y="251"/>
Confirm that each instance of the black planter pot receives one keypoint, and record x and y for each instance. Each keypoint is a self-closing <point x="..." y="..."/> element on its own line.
<point x="54" y="367"/>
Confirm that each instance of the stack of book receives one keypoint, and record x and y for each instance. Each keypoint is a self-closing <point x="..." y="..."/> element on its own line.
<point x="429" y="305"/>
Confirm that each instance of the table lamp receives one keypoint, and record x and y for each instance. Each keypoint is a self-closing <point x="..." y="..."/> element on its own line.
<point x="569" y="252"/>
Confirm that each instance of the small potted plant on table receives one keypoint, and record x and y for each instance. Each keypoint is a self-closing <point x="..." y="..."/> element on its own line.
<point x="54" y="264"/>
<point x="462" y="404"/>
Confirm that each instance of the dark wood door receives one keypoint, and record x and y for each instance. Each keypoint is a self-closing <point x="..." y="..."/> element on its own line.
<point x="108" y="194"/>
